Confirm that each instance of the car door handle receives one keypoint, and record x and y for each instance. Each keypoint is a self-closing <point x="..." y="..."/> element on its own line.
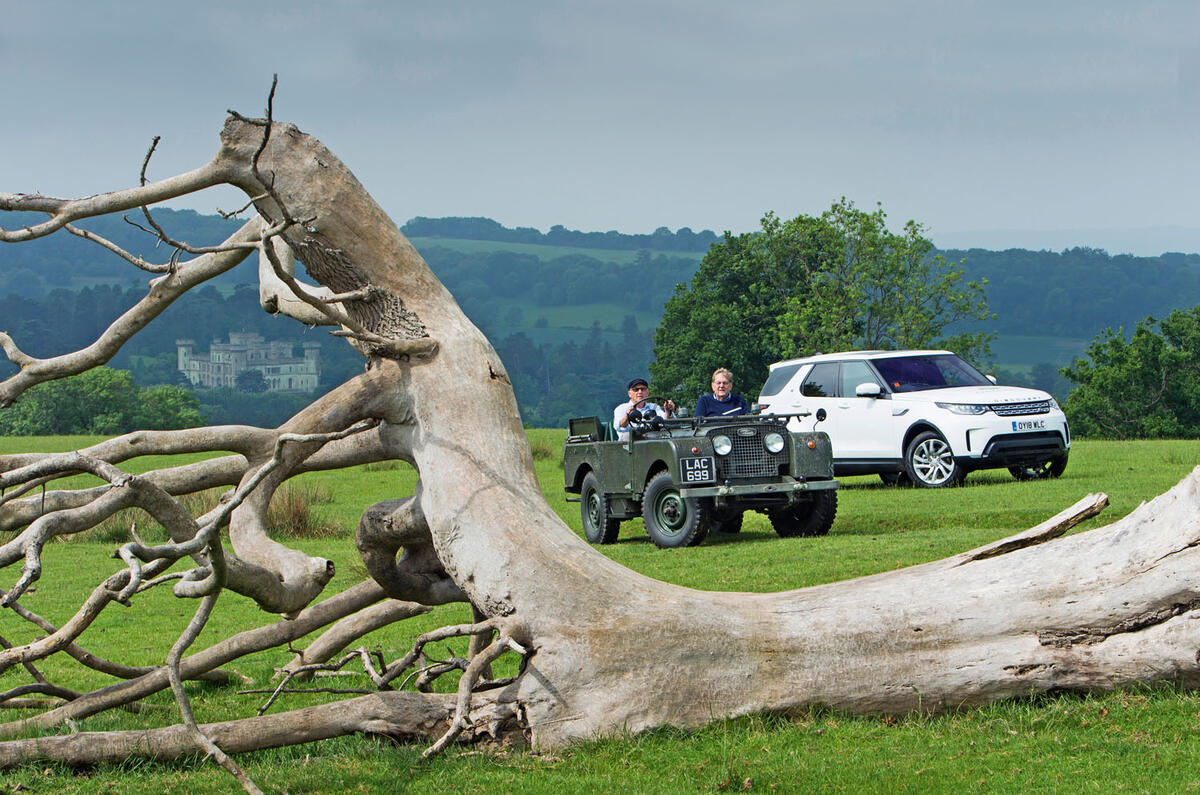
<point x="843" y="405"/>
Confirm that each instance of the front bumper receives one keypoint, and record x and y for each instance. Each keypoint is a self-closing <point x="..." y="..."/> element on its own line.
<point x="787" y="486"/>
<point x="994" y="441"/>
<point x="1024" y="448"/>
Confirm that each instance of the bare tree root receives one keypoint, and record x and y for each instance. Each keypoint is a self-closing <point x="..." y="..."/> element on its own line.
<point x="110" y="667"/>
<point x="304" y="671"/>
<point x="466" y="685"/>
<point x="472" y="674"/>
<point x="203" y="741"/>
<point x="418" y="575"/>
<point x="43" y="688"/>
<point x="39" y="649"/>
<point x="233" y="648"/>
<point x="178" y="480"/>
<point x="350" y="629"/>
<point x="399" y="716"/>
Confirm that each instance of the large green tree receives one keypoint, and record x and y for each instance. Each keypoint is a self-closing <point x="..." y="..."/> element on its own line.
<point x="839" y="281"/>
<point x="1146" y="386"/>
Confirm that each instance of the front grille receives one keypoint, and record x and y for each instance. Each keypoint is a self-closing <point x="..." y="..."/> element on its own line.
<point x="1016" y="447"/>
<point x="748" y="459"/>
<point x="1017" y="409"/>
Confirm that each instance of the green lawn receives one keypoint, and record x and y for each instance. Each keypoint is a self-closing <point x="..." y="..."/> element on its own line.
<point x="1132" y="741"/>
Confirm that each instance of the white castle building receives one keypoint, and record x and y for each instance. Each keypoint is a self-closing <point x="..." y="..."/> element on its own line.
<point x="224" y="362"/>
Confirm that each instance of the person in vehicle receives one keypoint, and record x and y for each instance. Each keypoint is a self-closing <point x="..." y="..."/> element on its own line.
<point x="638" y="391"/>
<point x="722" y="401"/>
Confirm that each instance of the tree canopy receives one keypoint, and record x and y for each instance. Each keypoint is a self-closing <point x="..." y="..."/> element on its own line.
<point x="813" y="284"/>
<point x="100" y="401"/>
<point x="1146" y="386"/>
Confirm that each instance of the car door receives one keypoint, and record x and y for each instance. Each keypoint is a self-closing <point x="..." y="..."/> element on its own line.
<point x="820" y="390"/>
<point x="867" y="426"/>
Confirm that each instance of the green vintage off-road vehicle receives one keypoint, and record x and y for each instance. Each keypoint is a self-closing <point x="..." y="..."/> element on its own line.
<point x="690" y="475"/>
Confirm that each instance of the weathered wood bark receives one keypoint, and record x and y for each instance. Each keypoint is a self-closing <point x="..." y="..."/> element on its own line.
<point x="609" y="650"/>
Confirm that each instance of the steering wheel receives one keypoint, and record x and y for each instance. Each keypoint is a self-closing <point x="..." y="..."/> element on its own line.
<point x="644" y="418"/>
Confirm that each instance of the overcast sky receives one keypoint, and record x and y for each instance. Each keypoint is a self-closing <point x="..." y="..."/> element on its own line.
<point x="1032" y="124"/>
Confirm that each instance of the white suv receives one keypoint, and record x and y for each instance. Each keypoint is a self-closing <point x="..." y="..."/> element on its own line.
<point x="925" y="417"/>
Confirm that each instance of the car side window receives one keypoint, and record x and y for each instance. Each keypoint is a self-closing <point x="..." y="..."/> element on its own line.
<point x="778" y="378"/>
<point x="855" y="373"/>
<point x="822" y="381"/>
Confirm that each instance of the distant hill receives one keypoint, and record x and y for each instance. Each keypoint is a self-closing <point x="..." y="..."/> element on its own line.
<point x="661" y="239"/>
<point x="1140" y="241"/>
<point x="571" y="313"/>
<point x="1079" y="291"/>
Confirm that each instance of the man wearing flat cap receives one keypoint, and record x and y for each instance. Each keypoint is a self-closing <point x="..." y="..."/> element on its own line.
<point x="638" y="390"/>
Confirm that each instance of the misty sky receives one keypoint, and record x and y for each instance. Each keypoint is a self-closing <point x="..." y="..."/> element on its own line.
<point x="1032" y="124"/>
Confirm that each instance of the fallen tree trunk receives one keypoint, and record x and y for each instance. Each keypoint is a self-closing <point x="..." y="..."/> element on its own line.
<point x="604" y="649"/>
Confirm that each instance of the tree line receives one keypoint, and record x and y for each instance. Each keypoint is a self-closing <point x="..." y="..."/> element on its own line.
<point x="1079" y="291"/>
<point x="661" y="239"/>
<point x="1072" y="293"/>
<point x="554" y="382"/>
<point x="476" y="278"/>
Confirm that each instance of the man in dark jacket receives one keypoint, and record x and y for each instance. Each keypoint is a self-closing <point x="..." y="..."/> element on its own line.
<point x="722" y="401"/>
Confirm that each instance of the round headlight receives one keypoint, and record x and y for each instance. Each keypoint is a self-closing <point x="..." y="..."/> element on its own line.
<point x="773" y="442"/>
<point x="722" y="445"/>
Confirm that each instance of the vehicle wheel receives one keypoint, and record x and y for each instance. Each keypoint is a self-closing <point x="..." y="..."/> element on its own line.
<point x="672" y="520"/>
<point x="1052" y="468"/>
<point x="812" y="517"/>
<point x="899" y="479"/>
<point x="725" y="522"/>
<point x="598" y="526"/>
<point x="930" y="464"/>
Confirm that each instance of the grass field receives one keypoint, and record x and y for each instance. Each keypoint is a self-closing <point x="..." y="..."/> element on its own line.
<point x="1143" y="740"/>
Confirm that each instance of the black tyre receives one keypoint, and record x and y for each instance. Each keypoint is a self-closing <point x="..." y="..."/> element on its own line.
<point x="725" y="522"/>
<point x="899" y="479"/>
<point x="672" y="520"/>
<point x="929" y="462"/>
<point x="811" y="517"/>
<point x="598" y="525"/>
<point x="1051" y="468"/>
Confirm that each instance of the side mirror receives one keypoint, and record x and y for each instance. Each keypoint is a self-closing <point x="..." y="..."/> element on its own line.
<point x="868" y="389"/>
<point x="992" y="378"/>
<point x="821" y="415"/>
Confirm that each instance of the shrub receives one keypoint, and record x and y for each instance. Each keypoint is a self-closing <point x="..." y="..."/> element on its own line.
<point x="292" y="514"/>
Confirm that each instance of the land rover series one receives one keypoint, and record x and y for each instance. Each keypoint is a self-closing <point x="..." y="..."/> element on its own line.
<point x="690" y="475"/>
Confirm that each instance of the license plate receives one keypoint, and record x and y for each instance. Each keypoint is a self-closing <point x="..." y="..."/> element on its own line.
<point x="1029" y="425"/>
<point x="697" y="470"/>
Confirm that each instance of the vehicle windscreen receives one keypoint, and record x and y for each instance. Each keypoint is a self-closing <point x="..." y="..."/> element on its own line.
<point x="915" y="373"/>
